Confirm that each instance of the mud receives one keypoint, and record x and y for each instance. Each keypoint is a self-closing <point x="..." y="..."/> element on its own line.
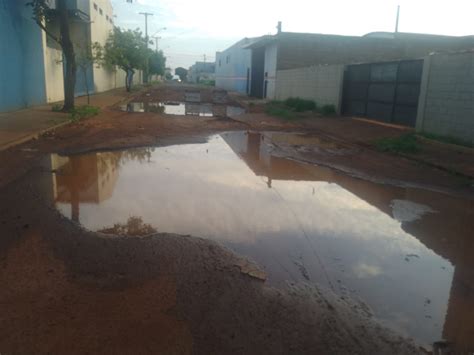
<point x="180" y="294"/>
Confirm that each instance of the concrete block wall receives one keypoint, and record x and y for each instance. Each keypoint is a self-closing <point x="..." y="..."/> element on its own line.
<point x="446" y="105"/>
<point x="322" y="83"/>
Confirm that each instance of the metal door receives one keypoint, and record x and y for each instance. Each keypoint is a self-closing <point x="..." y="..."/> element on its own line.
<point x="387" y="92"/>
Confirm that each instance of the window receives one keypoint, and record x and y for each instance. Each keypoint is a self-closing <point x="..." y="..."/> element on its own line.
<point x="227" y="59"/>
<point x="107" y="17"/>
<point x="101" y="12"/>
<point x="220" y="62"/>
<point x="95" y="7"/>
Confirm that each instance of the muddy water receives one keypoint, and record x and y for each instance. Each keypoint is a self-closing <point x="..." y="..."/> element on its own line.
<point x="184" y="109"/>
<point x="408" y="254"/>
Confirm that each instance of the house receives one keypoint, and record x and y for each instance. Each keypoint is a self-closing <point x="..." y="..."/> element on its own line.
<point x="201" y="71"/>
<point x="233" y="67"/>
<point x="31" y="65"/>
<point x="285" y="50"/>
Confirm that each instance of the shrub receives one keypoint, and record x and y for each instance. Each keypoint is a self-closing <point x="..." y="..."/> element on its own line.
<point x="56" y="108"/>
<point x="84" y="111"/>
<point x="279" y="111"/>
<point x="405" y="144"/>
<point x="300" y="105"/>
<point x="327" y="110"/>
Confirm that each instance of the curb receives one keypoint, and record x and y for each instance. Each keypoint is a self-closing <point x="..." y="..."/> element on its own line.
<point x="31" y="136"/>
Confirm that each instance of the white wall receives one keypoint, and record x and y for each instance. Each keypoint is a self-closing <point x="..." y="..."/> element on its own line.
<point x="322" y="84"/>
<point x="101" y="27"/>
<point x="271" y="53"/>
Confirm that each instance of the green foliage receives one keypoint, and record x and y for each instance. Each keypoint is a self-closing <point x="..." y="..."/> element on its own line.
<point x="208" y="82"/>
<point x="84" y="111"/>
<point x="447" y="139"/>
<point x="327" y="110"/>
<point x="125" y="49"/>
<point x="182" y="73"/>
<point x="156" y="63"/>
<point x="278" y="109"/>
<point x="405" y="144"/>
<point x="56" y="108"/>
<point x="168" y="76"/>
<point x="300" y="105"/>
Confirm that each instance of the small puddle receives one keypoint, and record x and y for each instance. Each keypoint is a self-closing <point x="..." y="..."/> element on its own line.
<point x="407" y="253"/>
<point x="184" y="109"/>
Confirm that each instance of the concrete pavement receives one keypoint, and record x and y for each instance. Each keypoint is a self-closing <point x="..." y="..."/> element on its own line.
<point x="20" y="126"/>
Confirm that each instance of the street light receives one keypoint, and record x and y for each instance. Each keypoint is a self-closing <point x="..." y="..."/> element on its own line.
<point x="161" y="29"/>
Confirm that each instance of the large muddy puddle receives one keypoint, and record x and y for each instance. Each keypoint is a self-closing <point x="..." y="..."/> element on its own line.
<point x="176" y="108"/>
<point x="408" y="254"/>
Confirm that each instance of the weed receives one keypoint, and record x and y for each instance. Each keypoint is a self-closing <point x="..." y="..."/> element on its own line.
<point x="279" y="111"/>
<point x="447" y="139"/>
<point x="405" y="144"/>
<point x="56" y="108"/>
<point x="300" y="105"/>
<point x="327" y="110"/>
<point x="84" y="111"/>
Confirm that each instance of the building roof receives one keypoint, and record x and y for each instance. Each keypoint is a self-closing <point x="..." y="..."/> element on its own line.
<point x="383" y="36"/>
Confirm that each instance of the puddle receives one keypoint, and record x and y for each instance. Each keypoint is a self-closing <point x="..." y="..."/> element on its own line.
<point x="407" y="253"/>
<point x="184" y="109"/>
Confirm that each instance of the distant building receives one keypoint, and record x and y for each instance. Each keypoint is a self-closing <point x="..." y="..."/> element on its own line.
<point x="233" y="67"/>
<point x="201" y="71"/>
<point x="31" y="64"/>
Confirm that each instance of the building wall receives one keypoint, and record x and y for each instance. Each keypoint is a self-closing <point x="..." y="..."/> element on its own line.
<point x="53" y="71"/>
<point x="322" y="84"/>
<point x="446" y="105"/>
<point x="232" y="75"/>
<point x="270" y="70"/>
<point x="21" y="60"/>
<point x="298" y="50"/>
<point x="101" y="27"/>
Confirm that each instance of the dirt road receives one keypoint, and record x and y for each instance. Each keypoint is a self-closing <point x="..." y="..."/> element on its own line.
<point x="66" y="289"/>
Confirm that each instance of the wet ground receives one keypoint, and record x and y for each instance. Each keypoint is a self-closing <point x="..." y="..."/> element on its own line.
<point x="403" y="252"/>
<point x="272" y="254"/>
<point x="175" y="108"/>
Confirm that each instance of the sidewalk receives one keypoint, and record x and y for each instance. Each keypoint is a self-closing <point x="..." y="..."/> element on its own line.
<point x="20" y="126"/>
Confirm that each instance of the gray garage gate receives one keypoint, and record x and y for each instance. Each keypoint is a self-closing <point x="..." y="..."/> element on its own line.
<point x="387" y="92"/>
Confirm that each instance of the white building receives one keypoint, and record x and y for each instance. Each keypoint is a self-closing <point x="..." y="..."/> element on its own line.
<point x="31" y="64"/>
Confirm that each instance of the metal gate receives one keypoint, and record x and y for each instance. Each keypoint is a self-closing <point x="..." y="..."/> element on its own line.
<point x="387" y="92"/>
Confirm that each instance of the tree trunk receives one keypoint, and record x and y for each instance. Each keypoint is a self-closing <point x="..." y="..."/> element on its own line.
<point x="68" y="51"/>
<point x="84" y="70"/>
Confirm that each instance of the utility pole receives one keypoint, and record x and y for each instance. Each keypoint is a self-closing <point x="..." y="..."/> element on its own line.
<point x="156" y="38"/>
<point x="146" y="14"/>
<point x="398" y="19"/>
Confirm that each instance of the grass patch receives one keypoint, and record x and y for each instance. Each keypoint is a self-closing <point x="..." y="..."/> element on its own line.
<point x="56" y="108"/>
<point x="84" y="111"/>
<point x="405" y="144"/>
<point x="327" y="110"/>
<point x="300" y="105"/>
<point x="279" y="111"/>
<point x="447" y="139"/>
<point x="291" y="107"/>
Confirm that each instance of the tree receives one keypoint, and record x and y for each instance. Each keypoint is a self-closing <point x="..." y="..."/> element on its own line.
<point x="181" y="72"/>
<point x="87" y="55"/>
<point x="126" y="50"/>
<point x="42" y="15"/>
<point x="157" y="63"/>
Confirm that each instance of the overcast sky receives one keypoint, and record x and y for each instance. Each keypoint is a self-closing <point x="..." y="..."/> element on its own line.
<point x="201" y="27"/>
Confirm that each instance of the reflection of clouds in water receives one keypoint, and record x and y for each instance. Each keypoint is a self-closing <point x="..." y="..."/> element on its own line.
<point x="217" y="195"/>
<point x="408" y="211"/>
<point x="363" y="270"/>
